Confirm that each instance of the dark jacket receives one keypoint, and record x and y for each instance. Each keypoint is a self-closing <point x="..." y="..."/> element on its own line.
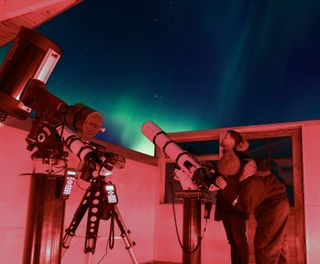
<point x="255" y="192"/>
<point x="224" y="208"/>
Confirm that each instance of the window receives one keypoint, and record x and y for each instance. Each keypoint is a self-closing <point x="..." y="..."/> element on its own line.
<point x="277" y="153"/>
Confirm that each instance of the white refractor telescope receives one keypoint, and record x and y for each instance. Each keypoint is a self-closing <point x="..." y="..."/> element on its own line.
<point x="192" y="175"/>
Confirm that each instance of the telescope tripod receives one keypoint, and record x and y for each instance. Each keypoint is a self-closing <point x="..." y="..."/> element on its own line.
<point x="100" y="201"/>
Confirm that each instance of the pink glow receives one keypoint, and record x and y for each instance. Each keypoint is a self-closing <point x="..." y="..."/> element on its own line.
<point x="138" y="188"/>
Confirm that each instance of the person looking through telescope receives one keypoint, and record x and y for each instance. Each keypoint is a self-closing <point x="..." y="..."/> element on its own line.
<point x="258" y="191"/>
<point x="234" y="150"/>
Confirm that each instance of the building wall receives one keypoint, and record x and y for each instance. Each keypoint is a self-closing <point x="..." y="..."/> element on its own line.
<point x="14" y="160"/>
<point x="311" y="171"/>
<point x="139" y="187"/>
<point x="214" y="246"/>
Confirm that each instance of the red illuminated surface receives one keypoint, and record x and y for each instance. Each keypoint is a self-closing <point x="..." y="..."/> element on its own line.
<point x="138" y="188"/>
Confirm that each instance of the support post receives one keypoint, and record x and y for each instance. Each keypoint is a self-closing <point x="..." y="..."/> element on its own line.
<point x="191" y="253"/>
<point x="45" y="218"/>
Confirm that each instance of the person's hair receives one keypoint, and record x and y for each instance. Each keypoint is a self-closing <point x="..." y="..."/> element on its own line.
<point x="241" y="144"/>
<point x="237" y="137"/>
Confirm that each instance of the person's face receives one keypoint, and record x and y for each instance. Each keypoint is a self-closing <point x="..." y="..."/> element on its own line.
<point x="228" y="142"/>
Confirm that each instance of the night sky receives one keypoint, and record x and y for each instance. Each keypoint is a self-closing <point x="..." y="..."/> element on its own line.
<point x="187" y="64"/>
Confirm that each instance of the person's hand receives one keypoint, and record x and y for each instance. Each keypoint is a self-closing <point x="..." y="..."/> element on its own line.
<point x="213" y="188"/>
<point x="221" y="183"/>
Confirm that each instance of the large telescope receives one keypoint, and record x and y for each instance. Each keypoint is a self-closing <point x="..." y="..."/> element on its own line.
<point x="23" y="77"/>
<point x="192" y="175"/>
<point x="195" y="181"/>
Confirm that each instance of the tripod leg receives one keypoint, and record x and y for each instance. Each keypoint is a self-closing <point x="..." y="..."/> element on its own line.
<point x="125" y="237"/>
<point x="71" y="230"/>
<point x="95" y="208"/>
<point x="88" y="259"/>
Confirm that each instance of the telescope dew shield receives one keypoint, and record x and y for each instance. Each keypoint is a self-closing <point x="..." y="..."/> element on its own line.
<point x="32" y="56"/>
<point x="84" y="120"/>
